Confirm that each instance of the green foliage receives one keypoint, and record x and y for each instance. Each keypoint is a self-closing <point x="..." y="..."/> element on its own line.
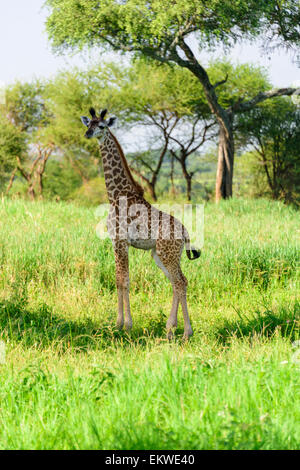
<point x="49" y="114"/>
<point x="244" y="81"/>
<point x="176" y="97"/>
<point x="60" y="180"/>
<point x="44" y="113"/>
<point x="160" y="31"/>
<point x="91" y="193"/>
<point x="25" y="105"/>
<point x="249" y="180"/>
<point x="172" y="110"/>
<point x="142" y="25"/>
<point x="12" y="145"/>
<point x="273" y="130"/>
<point x="285" y="20"/>
<point x="173" y="91"/>
<point x="25" y="117"/>
<point x="69" y="96"/>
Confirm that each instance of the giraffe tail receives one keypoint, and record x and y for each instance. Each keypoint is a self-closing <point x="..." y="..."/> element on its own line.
<point x="191" y="252"/>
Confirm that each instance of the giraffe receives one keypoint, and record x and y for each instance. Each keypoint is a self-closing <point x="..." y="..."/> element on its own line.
<point x="133" y="221"/>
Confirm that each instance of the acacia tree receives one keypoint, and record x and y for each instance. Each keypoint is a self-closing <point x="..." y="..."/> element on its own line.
<point x="162" y="31"/>
<point x="146" y="165"/>
<point x="187" y="146"/>
<point x="284" y="21"/>
<point x="25" y="116"/>
<point x="173" y="110"/>
<point x="12" y="146"/>
<point x="35" y="173"/>
<point x="273" y="130"/>
<point x="175" y="106"/>
<point x="68" y="97"/>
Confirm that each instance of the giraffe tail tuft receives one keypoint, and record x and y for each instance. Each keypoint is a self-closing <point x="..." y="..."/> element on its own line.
<point x="191" y="251"/>
<point x="193" y="254"/>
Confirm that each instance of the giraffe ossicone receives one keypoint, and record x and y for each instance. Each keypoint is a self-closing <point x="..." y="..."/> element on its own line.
<point x="133" y="221"/>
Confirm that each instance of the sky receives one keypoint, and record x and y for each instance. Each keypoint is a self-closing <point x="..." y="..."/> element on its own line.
<point x="26" y="53"/>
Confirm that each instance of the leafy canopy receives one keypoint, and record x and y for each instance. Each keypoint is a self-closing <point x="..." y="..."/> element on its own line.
<point x="12" y="145"/>
<point x="25" y="105"/>
<point x="157" y="24"/>
<point x="273" y="129"/>
<point x="148" y="88"/>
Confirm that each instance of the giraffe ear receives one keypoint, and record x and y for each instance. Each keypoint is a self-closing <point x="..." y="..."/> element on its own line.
<point x="92" y="112"/>
<point x="111" y="121"/>
<point x="103" y="112"/>
<point x="85" y="120"/>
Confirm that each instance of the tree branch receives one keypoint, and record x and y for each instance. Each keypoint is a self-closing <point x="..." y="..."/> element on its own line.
<point x="221" y="82"/>
<point x="11" y="181"/>
<point x="240" y="106"/>
<point x="21" y="170"/>
<point x="138" y="173"/>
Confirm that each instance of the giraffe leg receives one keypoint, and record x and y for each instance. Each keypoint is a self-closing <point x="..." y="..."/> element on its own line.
<point x="169" y="253"/>
<point x="181" y="288"/>
<point x="120" y="319"/>
<point x="122" y="280"/>
<point x="172" y="320"/>
<point x="128" y="318"/>
<point x="179" y="283"/>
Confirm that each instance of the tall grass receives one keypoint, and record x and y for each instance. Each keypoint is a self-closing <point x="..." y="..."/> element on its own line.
<point x="71" y="380"/>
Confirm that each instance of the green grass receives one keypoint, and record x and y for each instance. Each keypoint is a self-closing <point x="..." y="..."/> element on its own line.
<point x="71" y="381"/>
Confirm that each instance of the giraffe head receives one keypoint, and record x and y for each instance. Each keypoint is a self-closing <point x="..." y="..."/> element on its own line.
<point x="97" y="126"/>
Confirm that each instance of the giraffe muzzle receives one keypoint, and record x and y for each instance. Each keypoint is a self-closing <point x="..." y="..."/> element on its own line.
<point x="88" y="134"/>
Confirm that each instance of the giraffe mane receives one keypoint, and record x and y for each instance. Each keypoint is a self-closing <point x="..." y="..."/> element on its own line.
<point x="136" y="185"/>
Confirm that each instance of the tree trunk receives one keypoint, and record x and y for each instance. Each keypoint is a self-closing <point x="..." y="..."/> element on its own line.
<point x="31" y="191"/>
<point x="189" y="187"/>
<point x="11" y="181"/>
<point x="172" y="176"/>
<point x="40" y="184"/>
<point x="188" y="178"/>
<point x="226" y="144"/>
<point x="225" y="164"/>
<point x="151" y="187"/>
<point x="79" y="171"/>
<point x="153" y="180"/>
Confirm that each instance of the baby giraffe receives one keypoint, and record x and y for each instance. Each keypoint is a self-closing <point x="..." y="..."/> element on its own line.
<point x="132" y="221"/>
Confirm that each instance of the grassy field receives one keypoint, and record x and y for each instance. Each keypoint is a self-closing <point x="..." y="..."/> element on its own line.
<point x="71" y="381"/>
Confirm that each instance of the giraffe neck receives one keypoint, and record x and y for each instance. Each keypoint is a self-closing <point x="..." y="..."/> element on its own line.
<point x="118" y="179"/>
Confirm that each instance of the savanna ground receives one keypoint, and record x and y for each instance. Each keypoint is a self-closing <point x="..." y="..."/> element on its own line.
<point x="71" y="381"/>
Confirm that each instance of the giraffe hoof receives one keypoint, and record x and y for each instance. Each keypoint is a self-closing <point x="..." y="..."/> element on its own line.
<point x="119" y="325"/>
<point x="128" y="326"/>
<point x="187" y="334"/>
<point x="170" y="335"/>
<point x="171" y="332"/>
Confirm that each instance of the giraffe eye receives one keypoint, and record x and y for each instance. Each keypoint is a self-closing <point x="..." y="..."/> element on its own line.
<point x="101" y="127"/>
